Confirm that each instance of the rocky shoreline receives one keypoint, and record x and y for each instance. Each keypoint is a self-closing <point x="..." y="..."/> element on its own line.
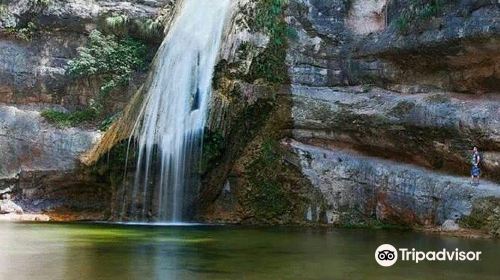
<point x="10" y="211"/>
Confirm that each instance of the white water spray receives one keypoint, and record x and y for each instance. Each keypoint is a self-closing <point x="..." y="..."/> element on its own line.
<point x="169" y="130"/>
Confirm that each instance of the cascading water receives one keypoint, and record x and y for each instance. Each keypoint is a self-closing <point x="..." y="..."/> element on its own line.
<point x="169" y="130"/>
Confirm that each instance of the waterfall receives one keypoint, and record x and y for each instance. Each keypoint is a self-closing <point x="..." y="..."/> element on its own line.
<point x="169" y="131"/>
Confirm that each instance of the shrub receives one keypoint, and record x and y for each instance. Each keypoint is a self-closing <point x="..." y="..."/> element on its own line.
<point x="24" y="33"/>
<point x="63" y="119"/>
<point x="417" y="12"/>
<point x="149" y="28"/>
<point x="41" y="3"/>
<point x="270" y="64"/>
<point x="110" y="58"/>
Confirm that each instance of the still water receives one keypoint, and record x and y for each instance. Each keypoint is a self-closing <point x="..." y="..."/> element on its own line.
<point x="103" y="251"/>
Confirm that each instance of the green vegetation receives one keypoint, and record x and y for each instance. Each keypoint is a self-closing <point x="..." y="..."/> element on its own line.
<point x="117" y="24"/>
<point x="149" y="28"/>
<point x="270" y="64"/>
<point x="63" y="119"/>
<point x="110" y="58"/>
<point x="485" y="215"/>
<point x="417" y="12"/>
<point x="146" y="29"/>
<point x="268" y="198"/>
<point x="107" y="122"/>
<point x="269" y="14"/>
<point x="213" y="149"/>
<point x="3" y="9"/>
<point x="24" y="33"/>
<point x="41" y="3"/>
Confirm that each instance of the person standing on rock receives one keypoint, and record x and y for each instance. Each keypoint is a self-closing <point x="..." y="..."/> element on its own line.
<point x="475" y="171"/>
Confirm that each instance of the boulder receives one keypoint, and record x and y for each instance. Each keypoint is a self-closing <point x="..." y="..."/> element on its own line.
<point x="8" y="207"/>
<point x="29" y="143"/>
<point x="450" y="225"/>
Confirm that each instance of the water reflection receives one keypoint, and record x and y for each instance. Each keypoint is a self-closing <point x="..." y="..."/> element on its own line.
<point x="48" y="251"/>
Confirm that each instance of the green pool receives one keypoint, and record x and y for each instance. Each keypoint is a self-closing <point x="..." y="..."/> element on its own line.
<point x="104" y="251"/>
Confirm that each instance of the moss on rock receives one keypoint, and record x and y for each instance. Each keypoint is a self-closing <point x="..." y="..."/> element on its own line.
<point x="485" y="215"/>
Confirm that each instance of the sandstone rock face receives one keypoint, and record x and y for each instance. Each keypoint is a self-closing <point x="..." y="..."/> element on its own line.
<point x="385" y="115"/>
<point x="435" y="130"/>
<point x="29" y="143"/>
<point x="336" y="45"/>
<point x="358" y="187"/>
<point x="38" y="163"/>
<point x="32" y="71"/>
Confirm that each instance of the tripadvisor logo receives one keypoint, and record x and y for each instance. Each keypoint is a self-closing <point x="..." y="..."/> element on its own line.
<point x="387" y="255"/>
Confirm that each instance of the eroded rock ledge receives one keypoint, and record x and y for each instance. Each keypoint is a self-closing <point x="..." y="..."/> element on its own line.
<point x="358" y="188"/>
<point x="39" y="163"/>
<point x="434" y="130"/>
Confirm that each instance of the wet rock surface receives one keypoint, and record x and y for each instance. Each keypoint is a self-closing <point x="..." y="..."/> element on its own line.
<point x="450" y="225"/>
<point x="10" y="211"/>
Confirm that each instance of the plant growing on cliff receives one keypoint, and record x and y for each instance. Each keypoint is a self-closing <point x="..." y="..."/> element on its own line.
<point x="146" y="29"/>
<point x="213" y="148"/>
<point x="417" y="12"/>
<point x="268" y="14"/>
<point x="149" y="28"/>
<point x="3" y="9"/>
<point x="111" y="59"/>
<point x="268" y="198"/>
<point x="41" y="3"/>
<point x="485" y="215"/>
<point x="24" y="33"/>
<point x="63" y="119"/>
<point x="270" y="64"/>
<point x="117" y="24"/>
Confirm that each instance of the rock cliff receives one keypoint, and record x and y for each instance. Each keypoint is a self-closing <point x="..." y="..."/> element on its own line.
<point x="348" y="112"/>
<point x="40" y="157"/>
<point x="387" y="99"/>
